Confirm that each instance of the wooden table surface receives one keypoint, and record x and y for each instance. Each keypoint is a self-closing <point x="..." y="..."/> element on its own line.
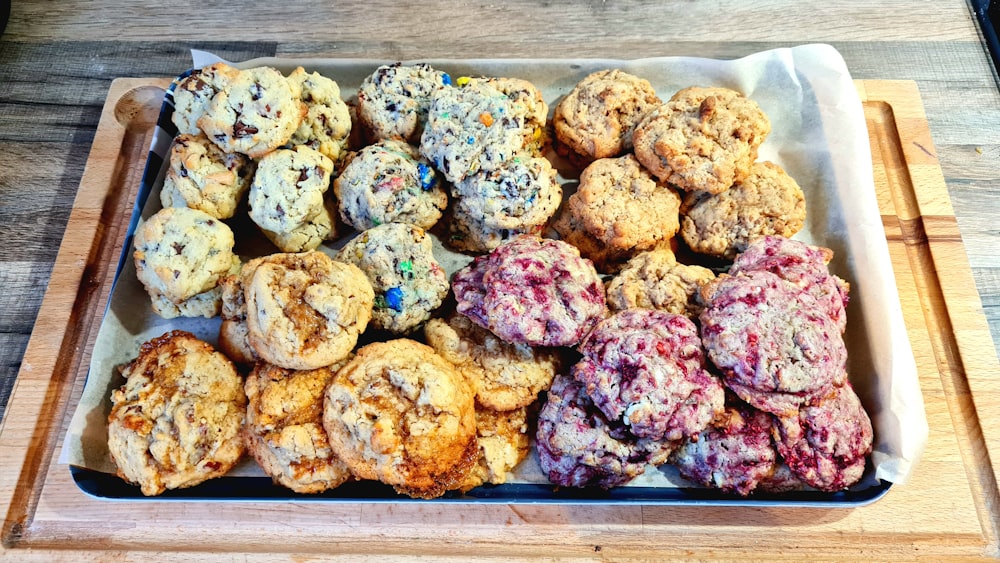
<point x="57" y="61"/>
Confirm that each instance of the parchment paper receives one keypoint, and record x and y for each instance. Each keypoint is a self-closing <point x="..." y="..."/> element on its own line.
<point x="818" y="135"/>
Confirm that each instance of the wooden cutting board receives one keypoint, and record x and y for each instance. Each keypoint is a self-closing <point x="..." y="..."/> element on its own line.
<point x="949" y="508"/>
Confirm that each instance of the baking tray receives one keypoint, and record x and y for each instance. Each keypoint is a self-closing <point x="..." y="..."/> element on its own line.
<point x="258" y="488"/>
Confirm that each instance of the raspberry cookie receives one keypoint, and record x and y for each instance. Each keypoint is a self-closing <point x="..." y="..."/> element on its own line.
<point x="578" y="447"/>
<point x="193" y="94"/>
<point x="399" y="413"/>
<point x="596" y="118"/>
<point x="389" y="182"/>
<point x="176" y="421"/>
<point x="504" y="376"/>
<point x="703" y="139"/>
<point x="399" y="262"/>
<point x="767" y="202"/>
<point x="305" y="311"/>
<point x="777" y="347"/>
<point x="393" y="101"/>
<point x="645" y="369"/>
<point x="284" y="428"/>
<point x="203" y="177"/>
<point x="327" y="122"/>
<point x="256" y="112"/>
<point x="656" y="280"/>
<point x="532" y="291"/>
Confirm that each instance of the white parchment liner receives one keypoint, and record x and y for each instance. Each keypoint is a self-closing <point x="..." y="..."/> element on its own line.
<point x="818" y="135"/>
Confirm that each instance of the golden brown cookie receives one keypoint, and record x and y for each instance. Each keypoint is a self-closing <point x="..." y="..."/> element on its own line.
<point x="656" y="280"/>
<point x="504" y="442"/>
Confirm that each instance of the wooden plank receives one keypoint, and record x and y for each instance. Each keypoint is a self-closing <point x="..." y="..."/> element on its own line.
<point x="948" y="509"/>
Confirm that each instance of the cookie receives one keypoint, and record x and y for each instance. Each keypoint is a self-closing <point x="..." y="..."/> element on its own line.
<point x="527" y="101"/>
<point x="255" y="113"/>
<point x="532" y="291"/>
<point x="825" y="445"/>
<point x="305" y="311"/>
<point x="399" y="262"/>
<point x="801" y="264"/>
<point x="205" y="304"/>
<point x="767" y="202"/>
<point x="645" y="369"/>
<point x="702" y="140"/>
<point x="776" y="347"/>
<point x="597" y="117"/>
<point x="504" y="376"/>
<point x="326" y="125"/>
<point x="623" y="209"/>
<point x="284" y="428"/>
<point x="393" y="101"/>
<point x="578" y="447"/>
<point x="471" y="129"/>
<point x="399" y="413"/>
<point x="310" y="234"/>
<point x="203" y="177"/>
<point x="176" y="421"/>
<point x="182" y="252"/>
<point x="193" y="94"/>
<point x="735" y="453"/>
<point x="288" y="188"/>
<point x="468" y="233"/>
<point x="503" y="441"/>
<point x="389" y="182"/>
<point x="234" y="335"/>
<point x="656" y="280"/>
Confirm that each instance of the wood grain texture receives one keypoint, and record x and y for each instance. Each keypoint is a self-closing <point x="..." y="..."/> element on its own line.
<point x="947" y="510"/>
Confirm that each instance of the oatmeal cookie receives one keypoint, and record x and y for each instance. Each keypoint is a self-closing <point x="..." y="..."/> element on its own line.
<point x="623" y="208"/>
<point x="306" y="310"/>
<point x="399" y="413"/>
<point x="182" y="252"/>
<point x="471" y="129"/>
<point x="176" y="421"/>
<point x="503" y="375"/>
<point x="193" y="94"/>
<point x="776" y="347"/>
<point x="504" y="442"/>
<point x="703" y="139"/>
<point x="203" y="177"/>
<point x="578" y="447"/>
<point x="284" y="427"/>
<point x="801" y="264"/>
<point x="656" y="280"/>
<point x="532" y="291"/>
<point x="399" y="261"/>
<point x="825" y="445"/>
<point x="288" y="188"/>
<point x="597" y="117"/>
<point x="389" y="182"/>
<point x="393" y="101"/>
<point x="327" y="122"/>
<point x="255" y="113"/>
<point x="646" y="370"/>
<point x="767" y="202"/>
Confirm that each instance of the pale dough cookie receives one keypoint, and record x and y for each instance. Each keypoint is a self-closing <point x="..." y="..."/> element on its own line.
<point x="203" y="177"/>
<point x="623" y="208"/>
<point x="205" y="304"/>
<point x="194" y="93"/>
<point x="258" y="111"/>
<point x="471" y="129"/>
<point x="393" y="101"/>
<point x="597" y="117"/>
<point x="399" y="261"/>
<point x="703" y="139"/>
<point x="327" y="123"/>
<point x="399" y="413"/>
<point x="309" y="235"/>
<point x="182" y="252"/>
<point x="504" y="442"/>
<point x="234" y="335"/>
<point x="520" y="195"/>
<point x="305" y="311"/>
<point x="468" y="233"/>
<point x="389" y="182"/>
<point x="284" y="428"/>
<point x="288" y="188"/>
<point x="504" y="376"/>
<point x="656" y="280"/>
<point x="176" y="421"/>
<point x="528" y="102"/>
<point x="767" y="202"/>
